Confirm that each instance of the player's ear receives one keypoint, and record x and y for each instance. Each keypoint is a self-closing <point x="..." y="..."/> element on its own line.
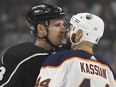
<point x="41" y="30"/>
<point x="40" y="27"/>
<point x="79" y="35"/>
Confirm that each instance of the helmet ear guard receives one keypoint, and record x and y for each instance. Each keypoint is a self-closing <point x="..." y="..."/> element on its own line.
<point x="91" y="25"/>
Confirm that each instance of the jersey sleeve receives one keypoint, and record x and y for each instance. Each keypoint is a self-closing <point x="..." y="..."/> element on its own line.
<point x="10" y="78"/>
<point x="53" y="76"/>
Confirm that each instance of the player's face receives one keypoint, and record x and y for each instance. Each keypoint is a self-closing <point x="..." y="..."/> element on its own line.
<point x="56" y="31"/>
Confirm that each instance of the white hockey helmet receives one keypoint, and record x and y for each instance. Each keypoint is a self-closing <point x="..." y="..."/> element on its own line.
<point x="91" y="25"/>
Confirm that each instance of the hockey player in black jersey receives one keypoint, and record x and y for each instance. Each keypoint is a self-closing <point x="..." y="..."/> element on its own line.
<point x="20" y="64"/>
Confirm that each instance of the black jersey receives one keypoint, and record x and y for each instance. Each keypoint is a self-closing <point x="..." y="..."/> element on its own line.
<point x="22" y="63"/>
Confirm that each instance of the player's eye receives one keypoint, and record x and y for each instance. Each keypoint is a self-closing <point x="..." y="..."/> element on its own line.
<point x="57" y="25"/>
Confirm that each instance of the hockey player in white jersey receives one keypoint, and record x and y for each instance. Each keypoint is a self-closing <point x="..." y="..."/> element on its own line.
<point x="78" y="67"/>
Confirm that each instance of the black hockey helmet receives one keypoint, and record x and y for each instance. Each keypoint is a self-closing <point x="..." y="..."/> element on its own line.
<point x="42" y="13"/>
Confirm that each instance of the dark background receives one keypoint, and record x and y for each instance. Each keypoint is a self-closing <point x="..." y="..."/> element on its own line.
<point x="14" y="30"/>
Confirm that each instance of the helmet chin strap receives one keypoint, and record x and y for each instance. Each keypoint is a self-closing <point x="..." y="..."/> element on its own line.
<point x="48" y="41"/>
<point x="46" y="37"/>
<point x="39" y="37"/>
<point x="74" y="43"/>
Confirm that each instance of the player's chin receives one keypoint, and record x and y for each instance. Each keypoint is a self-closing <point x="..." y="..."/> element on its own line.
<point x="60" y="38"/>
<point x="59" y="42"/>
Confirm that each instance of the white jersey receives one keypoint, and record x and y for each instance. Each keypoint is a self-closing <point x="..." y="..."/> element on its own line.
<point x="75" y="69"/>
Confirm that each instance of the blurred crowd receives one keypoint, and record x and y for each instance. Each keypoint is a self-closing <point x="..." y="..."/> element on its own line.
<point x="14" y="29"/>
